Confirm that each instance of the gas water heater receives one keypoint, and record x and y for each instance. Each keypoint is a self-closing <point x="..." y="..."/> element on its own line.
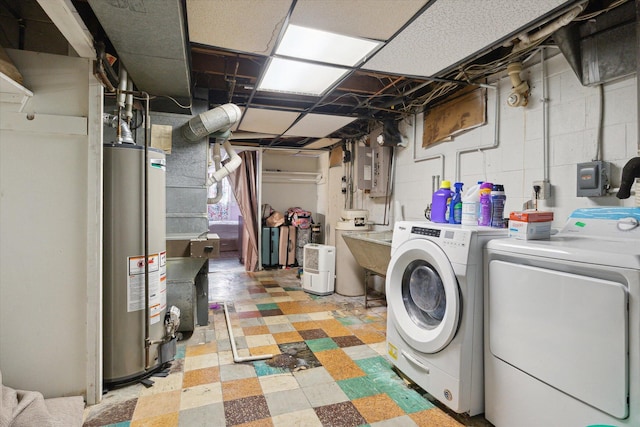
<point x="132" y="346"/>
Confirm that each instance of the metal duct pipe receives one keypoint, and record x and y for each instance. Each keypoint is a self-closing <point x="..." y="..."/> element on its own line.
<point x="123" y="129"/>
<point x="220" y="119"/>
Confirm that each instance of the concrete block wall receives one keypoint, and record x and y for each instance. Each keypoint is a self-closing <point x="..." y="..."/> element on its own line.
<point x="518" y="160"/>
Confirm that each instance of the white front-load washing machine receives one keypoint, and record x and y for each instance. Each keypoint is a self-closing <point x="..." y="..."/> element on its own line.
<point x="434" y="319"/>
<point x="562" y="324"/>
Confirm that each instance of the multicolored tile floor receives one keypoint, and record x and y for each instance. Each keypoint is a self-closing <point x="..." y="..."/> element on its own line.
<point x="328" y="367"/>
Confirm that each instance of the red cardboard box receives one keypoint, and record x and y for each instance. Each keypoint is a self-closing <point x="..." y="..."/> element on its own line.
<point x="531" y="216"/>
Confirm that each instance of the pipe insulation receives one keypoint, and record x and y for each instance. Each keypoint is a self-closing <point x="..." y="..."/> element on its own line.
<point x="220" y="119"/>
<point x="122" y="87"/>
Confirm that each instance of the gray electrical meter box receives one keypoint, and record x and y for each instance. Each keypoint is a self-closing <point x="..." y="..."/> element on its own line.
<point x="593" y="179"/>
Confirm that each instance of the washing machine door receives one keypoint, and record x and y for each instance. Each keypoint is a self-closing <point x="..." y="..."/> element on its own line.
<point x="423" y="295"/>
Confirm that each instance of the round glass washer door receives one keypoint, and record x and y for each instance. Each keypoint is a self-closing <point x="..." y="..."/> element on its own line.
<point x="423" y="295"/>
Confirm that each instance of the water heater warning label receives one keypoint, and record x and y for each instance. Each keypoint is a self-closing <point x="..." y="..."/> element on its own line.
<point x="157" y="284"/>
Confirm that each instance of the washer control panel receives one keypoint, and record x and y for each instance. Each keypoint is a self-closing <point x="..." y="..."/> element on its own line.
<point x="423" y="231"/>
<point x="447" y="238"/>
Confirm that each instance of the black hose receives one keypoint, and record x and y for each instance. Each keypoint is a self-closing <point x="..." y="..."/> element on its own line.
<point x="630" y="172"/>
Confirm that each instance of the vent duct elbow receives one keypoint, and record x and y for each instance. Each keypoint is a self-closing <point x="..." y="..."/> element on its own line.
<point x="217" y="120"/>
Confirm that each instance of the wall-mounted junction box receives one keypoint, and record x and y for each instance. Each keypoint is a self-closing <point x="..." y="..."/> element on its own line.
<point x="593" y="179"/>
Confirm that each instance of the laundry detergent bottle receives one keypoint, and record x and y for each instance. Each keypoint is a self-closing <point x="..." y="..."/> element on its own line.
<point x="455" y="207"/>
<point x="484" y="216"/>
<point x="498" y="199"/>
<point x="439" y="201"/>
<point x="471" y="205"/>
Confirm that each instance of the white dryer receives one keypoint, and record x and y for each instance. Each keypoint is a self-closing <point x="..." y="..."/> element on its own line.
<point x="434" y="319"/>
<point x="562" y="324"/>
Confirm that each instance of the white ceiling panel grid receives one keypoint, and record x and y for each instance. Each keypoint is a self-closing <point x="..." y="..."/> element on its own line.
<point x="217" y="23"/>
<point x="452" y="30"/>
<point x="267" y="121"/>
<point x="318" y="125"/>
<point x="373" y="19"/>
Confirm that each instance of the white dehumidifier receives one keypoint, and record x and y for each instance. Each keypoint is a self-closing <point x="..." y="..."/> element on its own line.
<point x="319" y="269"/>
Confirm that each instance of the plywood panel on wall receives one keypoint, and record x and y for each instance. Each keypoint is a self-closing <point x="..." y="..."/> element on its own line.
<point x="460" y="114"/>
<point x="335" y="158"/>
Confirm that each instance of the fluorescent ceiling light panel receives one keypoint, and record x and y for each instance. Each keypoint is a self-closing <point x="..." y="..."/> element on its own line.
<point x="285" y="75"/>
<point x="322" y="46"/>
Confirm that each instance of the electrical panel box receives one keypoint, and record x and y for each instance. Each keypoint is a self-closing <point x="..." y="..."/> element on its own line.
<point x="381" y="163"/>
<point x="374" y="162"/>
<point x="364" y="167"/>
<point x="593" y="179"/>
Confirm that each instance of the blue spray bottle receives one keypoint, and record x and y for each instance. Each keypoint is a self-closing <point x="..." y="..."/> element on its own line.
<point x="455" y="207"/>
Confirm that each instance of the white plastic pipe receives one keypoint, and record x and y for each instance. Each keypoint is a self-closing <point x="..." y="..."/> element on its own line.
<point x="526" y="40"/>
<point x="122" y="87"/>
<point x="234" y="349"/>
<point x="216" y="159"/>
<point x="227" y="168"/>
<point x="128" y="112"/>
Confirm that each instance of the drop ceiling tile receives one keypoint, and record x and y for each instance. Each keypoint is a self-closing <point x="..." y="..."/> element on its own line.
<point x="243" y="25"/>
<point x="450" y="31"/>
<point x="323" y="142"/>
<point x="267" y="121"/>
<point x="358" y="18"/>
<point x="318" y="125"/>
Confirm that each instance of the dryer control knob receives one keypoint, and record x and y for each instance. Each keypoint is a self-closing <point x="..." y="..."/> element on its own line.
<point x="627" y="224"/>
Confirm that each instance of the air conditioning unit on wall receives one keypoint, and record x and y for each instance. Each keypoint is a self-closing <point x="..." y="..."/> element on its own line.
<point x="319" y="269"/>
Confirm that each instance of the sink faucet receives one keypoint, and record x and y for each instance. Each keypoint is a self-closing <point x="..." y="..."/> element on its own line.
<point x="630" y="172"/>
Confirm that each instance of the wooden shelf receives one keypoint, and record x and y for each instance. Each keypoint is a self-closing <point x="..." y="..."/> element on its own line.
<point x="11" y="92"/>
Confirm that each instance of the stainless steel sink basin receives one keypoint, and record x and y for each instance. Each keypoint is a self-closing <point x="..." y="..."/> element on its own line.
<point x="371" y="249"/>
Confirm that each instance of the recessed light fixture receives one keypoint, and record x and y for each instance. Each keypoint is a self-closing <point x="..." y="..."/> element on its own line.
<point x="286" y="75"/>
<point x="323" y="46"/>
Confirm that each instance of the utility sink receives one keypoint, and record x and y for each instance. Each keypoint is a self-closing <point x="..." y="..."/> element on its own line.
<point x="371" y="249"/>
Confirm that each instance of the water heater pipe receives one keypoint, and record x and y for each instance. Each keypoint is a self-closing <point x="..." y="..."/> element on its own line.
<point x="122" y="87"/>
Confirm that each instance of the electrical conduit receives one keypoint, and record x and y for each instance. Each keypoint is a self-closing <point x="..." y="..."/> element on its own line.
<point x="496" y="132"/>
